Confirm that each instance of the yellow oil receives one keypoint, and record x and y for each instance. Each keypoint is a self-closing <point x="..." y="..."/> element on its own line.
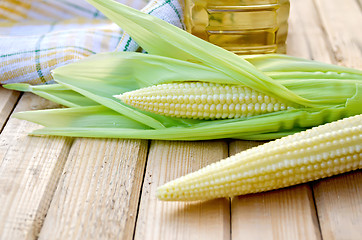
<point x="240" y="26"/>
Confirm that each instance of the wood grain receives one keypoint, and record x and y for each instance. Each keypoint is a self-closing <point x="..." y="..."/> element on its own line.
<point x="307" y="38"/>
<point x="8" y="99"/>
<point x="177" y="220"/>
<point x="30" y="168"/>
<point x="98" y="193"/>
<point x="339" y="199"/>
<point x="282" y="214"/>
<point x="342" y="24"/>
<point x="339" y="204"/>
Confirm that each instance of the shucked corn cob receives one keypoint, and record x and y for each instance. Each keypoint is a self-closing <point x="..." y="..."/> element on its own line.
<point x="320" y="152"/>
<point x="202" y="100"/>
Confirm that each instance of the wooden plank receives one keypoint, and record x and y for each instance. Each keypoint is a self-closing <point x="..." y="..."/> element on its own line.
<point x="339" y="199"/>
<point x="282" y="214"/>
<point x="307" y="38"/>
<point x="339" y="204"/>
<point x="178" y="220"/>
<point x="8" y="99"/>
<point x="30" y="168"/>
<point x="342" y="24"/>
<point x="98" y="193"/>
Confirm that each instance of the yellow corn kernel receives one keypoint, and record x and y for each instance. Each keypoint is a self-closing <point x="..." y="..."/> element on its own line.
<point x="320" y="152"/>
<point x="199" y="100"/>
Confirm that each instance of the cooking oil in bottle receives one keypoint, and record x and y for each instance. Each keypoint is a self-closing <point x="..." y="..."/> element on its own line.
<point x="240" y="26"/>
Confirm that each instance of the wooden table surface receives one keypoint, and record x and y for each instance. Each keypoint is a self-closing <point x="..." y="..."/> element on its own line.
<point x="65" y="188"/>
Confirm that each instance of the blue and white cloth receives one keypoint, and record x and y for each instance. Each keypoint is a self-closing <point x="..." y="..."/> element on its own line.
<point x="37" y="36"/>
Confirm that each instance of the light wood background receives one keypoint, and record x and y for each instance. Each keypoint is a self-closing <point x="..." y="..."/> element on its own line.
<point x="65" y="188"/>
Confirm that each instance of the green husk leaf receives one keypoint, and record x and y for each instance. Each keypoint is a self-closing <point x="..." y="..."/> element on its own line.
<point x="279" y="66"/>
<point x="85" y="117"/>
<point x="127" y="71"/>
<point x="101" y="76"/>
<point x="161" y="38"/>
<point x="262" y="128"/>
<point x="55" y="93"/>
<point x="324" y="83"/>
<point x="90" y="84"/>
<point x="332" y="92"/>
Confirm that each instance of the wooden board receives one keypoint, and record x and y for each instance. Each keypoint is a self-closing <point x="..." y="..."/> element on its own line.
<point x="342" y="24"/>
<point x="307" y="38"/>
<point x="339" y="204"/>
<point x="176" y="220"/>
<point x="30" y="168"/>
<point x="98" y="193"/>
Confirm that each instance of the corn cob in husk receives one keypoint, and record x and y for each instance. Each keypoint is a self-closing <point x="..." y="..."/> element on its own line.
<point x="305" y="93"/>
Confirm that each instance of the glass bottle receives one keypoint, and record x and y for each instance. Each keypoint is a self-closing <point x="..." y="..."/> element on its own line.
<point x="240" y="26"/>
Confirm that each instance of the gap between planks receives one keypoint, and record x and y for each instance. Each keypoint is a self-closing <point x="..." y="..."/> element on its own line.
<point x="8" y="101"/>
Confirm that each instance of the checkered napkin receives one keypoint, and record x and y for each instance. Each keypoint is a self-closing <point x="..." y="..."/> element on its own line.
<point x="37" y="36"/>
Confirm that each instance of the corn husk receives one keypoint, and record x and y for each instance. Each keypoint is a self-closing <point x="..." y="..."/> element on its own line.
<point x="55" y="93"/>
<point x="318" y="92"/>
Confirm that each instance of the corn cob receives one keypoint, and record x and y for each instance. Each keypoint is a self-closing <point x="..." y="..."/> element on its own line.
<point x="205" y="100"/>
<point x="320" y="152"/>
